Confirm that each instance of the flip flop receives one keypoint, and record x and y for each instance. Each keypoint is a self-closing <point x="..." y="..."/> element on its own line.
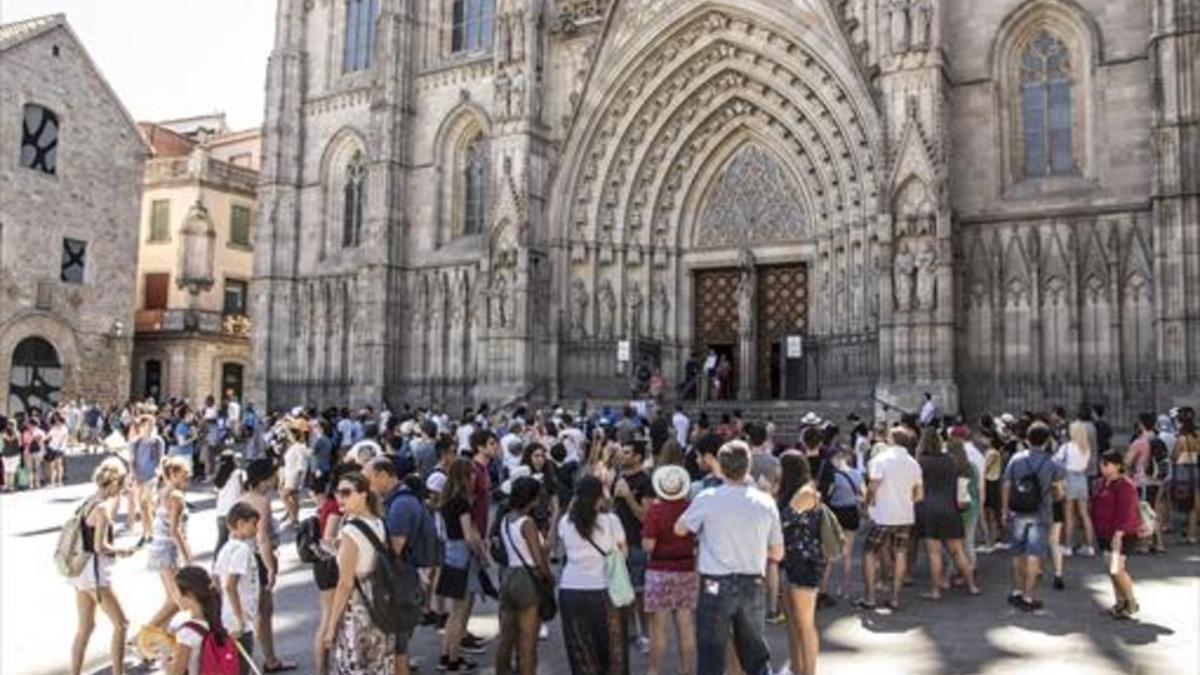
<point x="931" y="597"/>
<point x="279" y="667"/>
<point x="863" y="604"/>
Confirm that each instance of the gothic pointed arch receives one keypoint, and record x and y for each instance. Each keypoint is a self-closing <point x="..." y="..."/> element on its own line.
<point x="343" y="179"/>
<point x="1043" y="60"/>
<point x="754" y="198"/>
<point x="462" y="161"/>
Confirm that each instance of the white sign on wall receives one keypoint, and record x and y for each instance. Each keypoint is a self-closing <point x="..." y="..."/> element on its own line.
<point x="623" y="350"/>
<point x="795" y="346"/>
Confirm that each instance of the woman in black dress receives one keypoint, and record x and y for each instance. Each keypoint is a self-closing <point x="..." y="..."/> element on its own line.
<point x="938" y="520"/>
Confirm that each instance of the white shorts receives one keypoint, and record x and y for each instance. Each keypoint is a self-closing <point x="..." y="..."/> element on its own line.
<point x="11" y="464"/>
<point x="87" y="580"/>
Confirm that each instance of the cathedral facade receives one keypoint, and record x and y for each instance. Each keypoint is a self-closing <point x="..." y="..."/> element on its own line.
<point x="995" y="202"/>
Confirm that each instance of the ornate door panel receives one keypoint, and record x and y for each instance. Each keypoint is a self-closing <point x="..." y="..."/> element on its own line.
<point x="782" y="307"/>
<point x="716" y="308"/>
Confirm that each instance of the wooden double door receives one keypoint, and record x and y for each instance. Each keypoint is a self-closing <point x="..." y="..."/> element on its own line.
<point x="780" y="309"/>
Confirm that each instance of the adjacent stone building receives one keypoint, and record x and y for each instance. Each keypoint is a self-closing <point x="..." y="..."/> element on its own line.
<point x="851" y="200"/>
<point x="70" y="186"/>
<point x="192" y="326"/>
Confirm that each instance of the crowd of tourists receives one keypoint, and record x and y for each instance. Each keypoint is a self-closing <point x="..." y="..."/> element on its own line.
<point x="643" y="528"/>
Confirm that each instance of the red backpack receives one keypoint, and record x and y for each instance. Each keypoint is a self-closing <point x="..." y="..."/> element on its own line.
<point x="217" y="659"/>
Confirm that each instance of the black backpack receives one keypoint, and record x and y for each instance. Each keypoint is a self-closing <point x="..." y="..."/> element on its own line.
<point x="1025" y="496"/>
<point x="396" y="602"/>
<point x="423" y="548"/>
<point x="1160" y="459"/>
<point x="308" y="538"/>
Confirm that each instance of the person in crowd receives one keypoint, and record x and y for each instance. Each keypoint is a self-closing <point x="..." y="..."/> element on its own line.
<point x="169" y="549"/>
<point x="804" y="562"/>
<point x="357" y="645"/>
<point x="1115" y="517"/>
<point x="706" y="449"/>
<point x="993" y="510"/>
<point x="738" y="530"/>
<point x="1074" y="456"/>
<point x="969" y="493"/>
<point x="527" y="568"/>
<point x="402" y="513"/>
<point x="33" y="443"/>
<point x="1186" y="478"/>
<point x="672" y="586"/>
<point x="631" y="494"/>
<point x="458" y="581"/>
<point x="200" y="598"/>
<point x="1031" y="483"/>
<point x="938" y="521"/>
<point x="262" y="480"/>
<point x="325" y="575"/>
<point x="295" y="466"/>
<point x="230" y="482"/>
<point x="93" y="586"/>
<point x="845" y="497"/>
<point x="11" y="439"/>
<point x="593" y="629"/>
<point x="894" y="488"/>
<point x="56" y="450"/>
<point x="1140" y="460"/>
<point x="184" y="434"/>
<point x="236" y="573"/>
<point x="147" y="451"/>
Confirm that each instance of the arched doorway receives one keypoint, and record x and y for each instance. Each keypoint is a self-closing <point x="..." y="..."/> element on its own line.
<point x="36" y="377"/>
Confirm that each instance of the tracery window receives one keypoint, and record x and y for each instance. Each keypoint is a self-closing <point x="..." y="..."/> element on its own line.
<point x="354" y="194"/>
<point x="359" y="35"/>
<point x="39" y="139"/>
<point x="475" y="172"/>
<point x="1046" y="108"/>
<point x="471" y="25"/>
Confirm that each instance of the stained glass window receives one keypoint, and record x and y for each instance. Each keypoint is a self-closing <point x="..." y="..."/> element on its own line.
<point x="1046" y="108"/>
<point x="474" y="187"/>
<point x="471" y="25"/>
<point x="354" y="192"/>
<point x="359" y="35"/>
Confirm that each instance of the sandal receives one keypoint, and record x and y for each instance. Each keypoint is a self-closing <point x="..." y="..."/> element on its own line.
<point x="280" y="666"/>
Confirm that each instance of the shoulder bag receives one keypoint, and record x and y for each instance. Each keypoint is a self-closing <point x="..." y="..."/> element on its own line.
<point x="547" y="606"/>
<point x="620" y="587"/>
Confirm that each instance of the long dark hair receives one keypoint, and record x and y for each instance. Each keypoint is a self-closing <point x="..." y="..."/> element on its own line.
<point x="225" y="469"/>
<point x="460" y="481"/>
<point x="195" y="582"/>
<point x="360" y="484"/>
<point x="586" y="506"/>
<point x="795" y="473"/>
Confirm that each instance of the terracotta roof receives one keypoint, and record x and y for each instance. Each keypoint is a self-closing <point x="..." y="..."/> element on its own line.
<point x="19" y="31"/>
<point x="164" y="142"/>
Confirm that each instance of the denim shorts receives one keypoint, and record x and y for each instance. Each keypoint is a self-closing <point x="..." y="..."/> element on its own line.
<point x="1029" y="536"/>
<point x="635" y="562"/>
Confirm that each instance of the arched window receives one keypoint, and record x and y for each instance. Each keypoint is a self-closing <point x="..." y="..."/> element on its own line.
<point x="359" y="34"/>
<point x="1046" y="107"/>
<point x="354" y="193"/>
<point x="39" y="139"/>
<point x="471" y="25"/>
<point x="475" y="173"/>
<point x="36" y="376"/>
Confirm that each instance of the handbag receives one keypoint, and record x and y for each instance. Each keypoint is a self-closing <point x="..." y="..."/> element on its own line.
<point x="833" y="538"/>
<point x="547" y="605"/>
<point x="620" y="587"/>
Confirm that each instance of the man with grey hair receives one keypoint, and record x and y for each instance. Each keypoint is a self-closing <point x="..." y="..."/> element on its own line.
<point x="738" y="530"/>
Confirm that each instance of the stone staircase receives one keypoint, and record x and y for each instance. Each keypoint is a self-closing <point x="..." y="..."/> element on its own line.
<point x="787" y="414"/>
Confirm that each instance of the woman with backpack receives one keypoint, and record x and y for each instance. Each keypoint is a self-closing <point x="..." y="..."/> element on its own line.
<point x="357" y="645"/>
<point x="527" y="568"/>
<point x="1115" y="517"/>
<point x="202" y="645"/>
<point x="93" y="585"/>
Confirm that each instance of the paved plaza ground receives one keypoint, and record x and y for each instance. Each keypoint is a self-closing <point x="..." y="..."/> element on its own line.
<point x="957" y="635"/>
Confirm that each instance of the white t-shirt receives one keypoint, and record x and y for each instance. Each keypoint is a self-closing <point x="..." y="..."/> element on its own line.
<point x="237" y="557"/>
<point x="228" y="495"/>
<point x="464" y="437"/>
<point x="58" y="437"/>
<point x="682" y="426"/>
<point x="1072" y="457"/>
<point x="574" y="441"/>
<point x="294" y="461"/>
<point x="366" y="551"/>
<point x="233" y="411"/>
<point x="975" y="457"/>
<point x="514" y="542"/>
<point x="192" y="639"/>
<point x="584" y="570"/>
<point x="896" y="475"/>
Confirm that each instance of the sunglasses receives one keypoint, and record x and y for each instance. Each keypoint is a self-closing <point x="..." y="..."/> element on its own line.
<point x="345" y="492"/>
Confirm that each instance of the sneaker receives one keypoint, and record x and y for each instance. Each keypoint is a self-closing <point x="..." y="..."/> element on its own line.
<point x="1029" y="605"/>
<point x="471" y="644"/>
<point x="543" y="633"/>
<point x="983" y="548"/>
<point x="1014" y="598"/>
<point x="460" y="666"/>
<point x="776" y="618"/>
<point x="1058" y="584"/>
<point x="1067" y="553"/>
<point x="643" y="645"/>
<point x="1087" y="551"/>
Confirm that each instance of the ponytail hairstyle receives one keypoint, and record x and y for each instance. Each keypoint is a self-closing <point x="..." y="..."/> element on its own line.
<point x="195" y="583"/>
<point x="586" y="506"/>
<point x="225" y="468"/>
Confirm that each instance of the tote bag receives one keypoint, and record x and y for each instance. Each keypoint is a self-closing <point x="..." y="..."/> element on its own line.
<point x="620" y="588"/>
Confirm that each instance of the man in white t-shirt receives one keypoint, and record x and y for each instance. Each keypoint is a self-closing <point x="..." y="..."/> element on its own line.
<point x="683" y="427"/>
<point x="512" y="445"/>
<point x="895" y="487"/>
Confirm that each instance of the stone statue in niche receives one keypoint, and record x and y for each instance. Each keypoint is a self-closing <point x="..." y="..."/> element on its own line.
<point x="927" y="264"/>
<point x="516" y="105"/>
<point x="606" y="305"/>
<point x="503" y="94"/>
<point x="633" y="310"/>
<point x="905" y="269"/>
<point x="921" y="15"/>
<point x="662" y="302"/>
<point x="500" y="300"/>
<point x="579" y="306"/>
<point x="745" y="292"/>
<point x="898" y="25"/>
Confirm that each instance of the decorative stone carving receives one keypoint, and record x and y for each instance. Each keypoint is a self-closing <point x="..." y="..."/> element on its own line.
<point x="898" y="25"/>
<point x="745" y="293"/>
<point x="905" y="270"/>
<point x="633" y="310"/>
<point x="606" y="305"/>
<point x="500" y="302"/>
<point x="755" y="199"/>
<point x="662" y="310"/>
<point x="927" y="270"/>
<point x="578" y="309"/>
<point x="921" y="16"/>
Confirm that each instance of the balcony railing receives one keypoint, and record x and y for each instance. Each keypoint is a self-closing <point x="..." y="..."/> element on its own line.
<point x="162" y="321"/>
